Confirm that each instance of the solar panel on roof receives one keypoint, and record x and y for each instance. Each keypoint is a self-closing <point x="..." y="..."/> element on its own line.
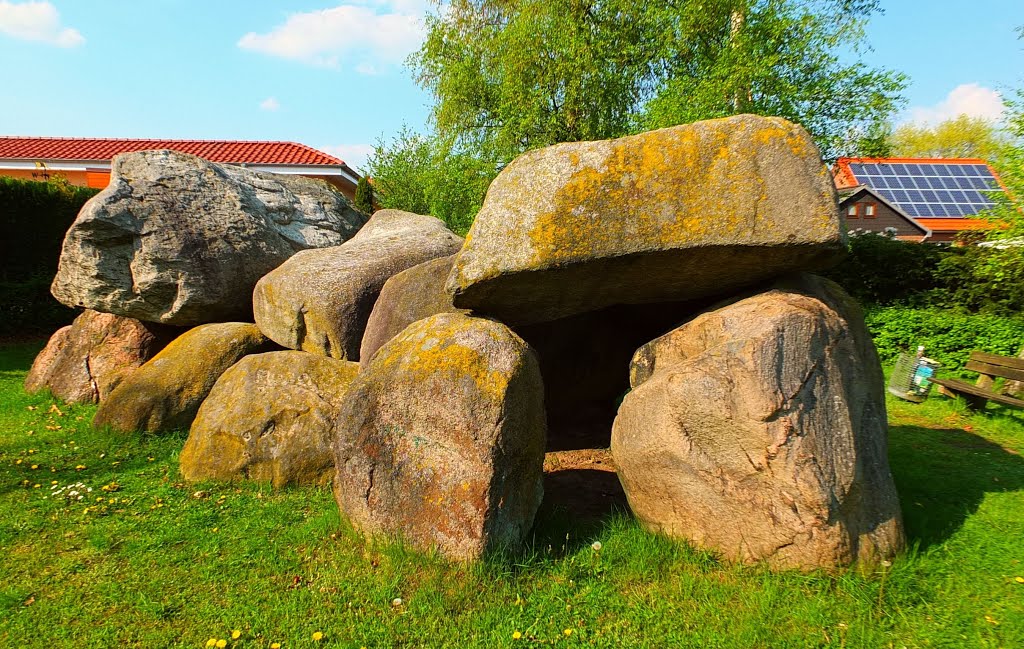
<point x="926" y="189"/>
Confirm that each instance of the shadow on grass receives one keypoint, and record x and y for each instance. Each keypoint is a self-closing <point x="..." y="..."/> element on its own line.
<point x="578" y="504"/>
<point x="942" y="475"/>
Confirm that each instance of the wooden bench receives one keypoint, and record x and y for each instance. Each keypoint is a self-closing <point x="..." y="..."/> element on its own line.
<point x="989" y="367"/>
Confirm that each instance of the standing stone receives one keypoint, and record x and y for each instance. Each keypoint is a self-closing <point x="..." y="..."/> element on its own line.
<point x="411" y="295"/>
<point x="270" y="417"/>
<point x="668" y="215"/>
<point x="758" y="430"/>
<point x="319" y="300"/>
<point x="84" y="361"/>
<point x="179" y="240"/>
<point x="441" y="438"/>
<point x="166" y="392"/>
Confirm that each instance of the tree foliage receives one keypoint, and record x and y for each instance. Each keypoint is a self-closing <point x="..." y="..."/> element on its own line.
<point x="423" y="174"/>
<point x="512" y="75"/>
<point x="960" y="137"/>
<point x="775" y="57"/>
<point x="364" y="196"/>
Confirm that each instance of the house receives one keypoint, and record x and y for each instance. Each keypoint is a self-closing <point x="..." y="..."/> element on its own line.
<point x="86" y="161"/>
<point x="940" y="196"/>
<point x="865" y="209"/>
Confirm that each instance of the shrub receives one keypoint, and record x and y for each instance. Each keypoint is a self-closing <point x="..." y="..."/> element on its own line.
<point x="421" y="174"/>
<point x="948" y="336"/>
<point x="33" y="219"/>
<point x="880" y="270"/>
<point x="364" y="196"/>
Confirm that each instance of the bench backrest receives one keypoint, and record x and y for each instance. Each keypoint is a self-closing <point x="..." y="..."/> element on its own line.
<point x="993" y="365"/>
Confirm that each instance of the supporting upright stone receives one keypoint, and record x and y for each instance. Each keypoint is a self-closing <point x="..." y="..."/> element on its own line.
<point x="758" y="430"/>
<point x="166" y="392"/>
<point x="441" y="437"/>
<point x="85" y="361"/>
<point x="270" y="417"/>
<point x="319" y="300"/>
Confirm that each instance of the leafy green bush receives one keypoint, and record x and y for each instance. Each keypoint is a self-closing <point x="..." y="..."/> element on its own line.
<point x="880" y="270"/>
<point x="364" y="196"/>
<point x="422" y="174"/>
<point x="33" y="219"/>
<point x="948" y="336"/>
<point x="28" y="309"/>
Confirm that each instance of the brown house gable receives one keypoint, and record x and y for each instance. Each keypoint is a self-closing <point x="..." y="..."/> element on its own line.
<point x="863" y="209"/>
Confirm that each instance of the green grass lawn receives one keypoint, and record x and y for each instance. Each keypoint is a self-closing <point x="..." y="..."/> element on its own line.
<point x="145" y="560"/>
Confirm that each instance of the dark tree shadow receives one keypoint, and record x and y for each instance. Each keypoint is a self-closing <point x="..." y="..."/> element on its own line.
<point x="942" y="475"/>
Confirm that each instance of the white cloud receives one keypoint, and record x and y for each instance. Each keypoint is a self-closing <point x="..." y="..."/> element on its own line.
<point x="969" y="99"/>
<point x="270" y="103"/>
<point x="354" y="155"/>
<point x="375" y="32"/>
<point x="37" y="21"/>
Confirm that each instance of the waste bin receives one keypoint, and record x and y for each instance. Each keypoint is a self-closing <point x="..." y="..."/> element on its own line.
<point x="910" y="378"/>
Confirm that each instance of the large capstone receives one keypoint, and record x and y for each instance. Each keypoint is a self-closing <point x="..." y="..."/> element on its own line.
<point x="668" y="215"/>
<point x="166" y="392"/>
<point x="440" y="440"/>
<point x="85" y="361"/>
<point x="320" y="300"/>
<point x="270" y="417"/>
<point x="758" y="430"/>
<point x="179" y="240"/>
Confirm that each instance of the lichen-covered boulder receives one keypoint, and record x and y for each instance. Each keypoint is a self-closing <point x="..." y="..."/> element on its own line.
<point x="441" y="438"/>
<point x="166" y="392"/>
<point x="179" y="240"/>
<point x="84" y="361"/>
<point x="411" y="295"/>
<point x="758" y="430"/>
<point x="270" y="417"/>
<point x="668" y="215"/>
<point x="319" y="300"/>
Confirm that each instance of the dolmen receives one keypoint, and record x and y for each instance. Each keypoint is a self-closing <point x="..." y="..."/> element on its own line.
<point x="662" y="280"/>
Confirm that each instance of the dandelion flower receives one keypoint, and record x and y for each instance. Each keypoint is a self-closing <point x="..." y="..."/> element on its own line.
<point x="396" y="601"/>
<point x="275" y="645"/>
<point x="318" y="636"/>
<point x="596" y="545"/>
<point x="235" y="634"/>
<point x="567" y="632"/>
<point x="222" y="643"/>
<point x="1019" y="580"/>
<point x="516" y="635"/>
<point x="212" y="642"/>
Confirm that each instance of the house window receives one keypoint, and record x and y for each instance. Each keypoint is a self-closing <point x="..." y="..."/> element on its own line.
<point x="851" y="211"/>
<point x="869" y="211"/>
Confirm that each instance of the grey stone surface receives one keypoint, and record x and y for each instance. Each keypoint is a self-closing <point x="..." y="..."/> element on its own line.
<point x="411" y="295"/>
<point x="179" y="240"/>
<point x="320" y="300"/>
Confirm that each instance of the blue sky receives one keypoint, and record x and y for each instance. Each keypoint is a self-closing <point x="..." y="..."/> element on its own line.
<point x="329" y="74"/>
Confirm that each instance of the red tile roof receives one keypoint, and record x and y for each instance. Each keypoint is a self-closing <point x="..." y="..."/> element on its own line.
<point x="228" y="151"/>
<point x="954" y="225"/>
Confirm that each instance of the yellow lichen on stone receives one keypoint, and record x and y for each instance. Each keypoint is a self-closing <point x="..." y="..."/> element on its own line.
<point x="651" y="190"/>
<point x="429" y="352"/>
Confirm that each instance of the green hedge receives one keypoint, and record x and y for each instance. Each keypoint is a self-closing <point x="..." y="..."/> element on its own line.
<point x="948" y="336"/>
<point x="33" y="219"/>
